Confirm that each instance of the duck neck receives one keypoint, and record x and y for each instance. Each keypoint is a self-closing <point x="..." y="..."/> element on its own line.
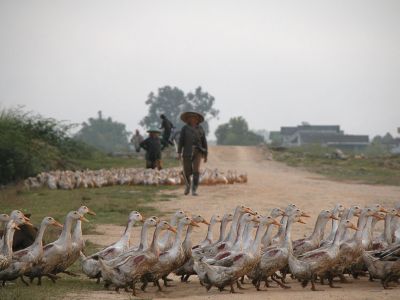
<point x="239" y="236"/>
<point x="168" y="235"/>
<point x="366" y="234"/>
<point x="335" y="223"/>
<point x="127" y="233"/>
<point x="154" y="243"/>
<point x="319" y="228"/>
<point x="178" y="238"/>
<point x="65" y="236"/>
<point x="266" y="240"/>
<point x="362" y="221"/>
<point x="188" y="237"/>
<point x="386" y="230"/>
<point x="339" y="232"/>
<point x="282" y="228"/>
<point x="210" y="230"/>
<point x="7" y="242"/>
<point x="247" y="232"/>
<point x="143" y="245"/>
<point x="222" y="230"/>
<point x="39" y="238"/>
<point x="348" y="215"/>
<point x="233" y="231"/>
<point x="77" y="234"/>
<point x="259" y="235"/>
<point x="288" y="236"/>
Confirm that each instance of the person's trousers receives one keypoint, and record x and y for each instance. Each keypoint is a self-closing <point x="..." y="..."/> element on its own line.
<point x="154" y="164"/>
<point x="191" y="166"/>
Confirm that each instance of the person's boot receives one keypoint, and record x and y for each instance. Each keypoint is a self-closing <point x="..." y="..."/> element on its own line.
<point x="196" y="177"/>
<point x="187" y="187"/>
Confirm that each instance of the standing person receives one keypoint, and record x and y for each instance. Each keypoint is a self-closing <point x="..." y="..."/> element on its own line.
<point x="152" y="145"/>
<point x="192" y="147"/>
<point x="136" y="139"/>
<point x="167" y="126"/>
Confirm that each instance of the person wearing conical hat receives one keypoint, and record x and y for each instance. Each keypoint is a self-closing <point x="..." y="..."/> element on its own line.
<point x="152" y="146"/>
<point x="192" y="148"/>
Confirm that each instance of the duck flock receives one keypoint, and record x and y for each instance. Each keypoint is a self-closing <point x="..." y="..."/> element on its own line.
<point x="68" y="180"/>
<point x="256" y="248"/>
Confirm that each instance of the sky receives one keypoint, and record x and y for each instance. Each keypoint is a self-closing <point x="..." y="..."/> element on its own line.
<point x="276" y="63"/>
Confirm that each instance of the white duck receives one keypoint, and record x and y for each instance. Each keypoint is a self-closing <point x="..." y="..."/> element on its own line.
<point x="57" y="251"/>
<point x="23" y="260"/>
<point x="165" y="242"/>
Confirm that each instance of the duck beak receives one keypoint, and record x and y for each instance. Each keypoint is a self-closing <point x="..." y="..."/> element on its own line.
<point x="354" y="227"/>
<point x="28" y="223"/>
<point x="17" y="227"/>
<point x="357" y="214"/>
<point x="58" y="224"/>
<point x="91" y="212"/>
<point x="256" y="220"/>
<point x="193" y="223"/>
<point x="141" y="221"/>
<point x="284" y="214"/>
<point x="82" y="218"/>
<point x="206" y="222"/>
<point x="275" y="222"/>
<point x="249" y="210"/>
<point x="334" y="217"/>
<point x="170" y="228"/>
<point x="26" y="218"/>
<point x="382" y="209"/>
<point x="306" y="215"/>
<point x="398" y="215"/>
<point x="301" y="221"/>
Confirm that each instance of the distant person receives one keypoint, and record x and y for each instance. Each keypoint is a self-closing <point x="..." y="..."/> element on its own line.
<point x="152" y="146"/>
<point x="136" y="139"/>
<point x="168" y="127"/>
<point x="192" y="148"/>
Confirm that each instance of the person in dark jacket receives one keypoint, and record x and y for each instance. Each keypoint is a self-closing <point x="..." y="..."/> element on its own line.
<point x="167" y="126"/>
<point x="152" y="146"/>
<point x="192" y="148"/>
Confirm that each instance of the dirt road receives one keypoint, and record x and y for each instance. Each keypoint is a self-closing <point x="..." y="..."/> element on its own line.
<point x="271" y="184"/>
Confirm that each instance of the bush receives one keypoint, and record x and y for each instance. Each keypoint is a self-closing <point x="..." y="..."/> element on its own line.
<point x="30" y="144"/>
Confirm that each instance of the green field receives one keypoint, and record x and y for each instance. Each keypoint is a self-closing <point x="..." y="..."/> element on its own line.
<point x="373" y="169"/>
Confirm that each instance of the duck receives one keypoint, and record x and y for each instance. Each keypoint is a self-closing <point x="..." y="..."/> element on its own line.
<point x="385" y="240"/>
<point x="337" y="211"/>
<point x="171" y="259"/>
<point x="348" y="214"/>
<point x="78" y="244"/>
<point x="240" y="263"/>
<point x="280" y="235"/>
<point x="24" y="239"/>
<point x="132" y="268"/>
<point x="319" y="261"/>
<point x="275" y="258"/>
<point x="54" y="253"/>
<point x="166" y="241"/>
<point x="385" y="270"/>
<point x="313" y="241"/>
<point x="23" y="260"/>
<point x="209" y="237"/>
<point x="230" y="239"/>
<point x="122" y="245"/>
<point x="267" y="238"/>
<point x="6" y="249"/>
<point x="395" y="226"/>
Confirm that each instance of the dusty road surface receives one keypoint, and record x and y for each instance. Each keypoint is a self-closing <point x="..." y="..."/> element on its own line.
<point x="271" y="184"/>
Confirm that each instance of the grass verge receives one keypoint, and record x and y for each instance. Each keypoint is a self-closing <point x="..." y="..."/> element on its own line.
<point x="384" y="170"/>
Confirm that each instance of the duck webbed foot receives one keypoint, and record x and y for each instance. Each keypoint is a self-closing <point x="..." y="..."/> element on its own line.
<point x="239" y="286"/>
<point x="279" y="283"/>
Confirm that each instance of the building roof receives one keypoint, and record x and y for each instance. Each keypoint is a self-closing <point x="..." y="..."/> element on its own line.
<point x="326" y="138"/>
<point x="288" y="130"/>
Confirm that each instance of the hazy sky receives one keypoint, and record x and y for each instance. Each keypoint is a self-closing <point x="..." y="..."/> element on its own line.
<point x="274" y="62"/>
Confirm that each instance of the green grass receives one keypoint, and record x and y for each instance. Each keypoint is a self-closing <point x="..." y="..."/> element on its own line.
<point x="101" y="161"/>
<point x="384" y="169"/>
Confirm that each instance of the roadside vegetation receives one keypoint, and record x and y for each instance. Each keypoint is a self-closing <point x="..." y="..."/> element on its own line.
<point x="373" y="166"/>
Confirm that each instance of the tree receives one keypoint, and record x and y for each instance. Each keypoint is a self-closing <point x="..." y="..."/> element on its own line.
<point x="236" y="132"/>
<point x="104" y="134"/>
<point x="172" y="102"/>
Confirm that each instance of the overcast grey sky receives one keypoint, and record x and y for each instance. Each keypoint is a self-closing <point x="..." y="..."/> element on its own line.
<point x="274" y="62"/>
